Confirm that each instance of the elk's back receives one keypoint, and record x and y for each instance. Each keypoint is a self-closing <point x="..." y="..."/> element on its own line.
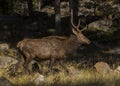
<point x="44" y="48"/>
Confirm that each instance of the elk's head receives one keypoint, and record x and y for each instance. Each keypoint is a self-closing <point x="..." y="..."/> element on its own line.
<point x="78" y="33"/>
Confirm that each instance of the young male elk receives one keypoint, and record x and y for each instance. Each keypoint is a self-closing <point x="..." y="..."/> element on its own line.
<point x="52" y="47"/>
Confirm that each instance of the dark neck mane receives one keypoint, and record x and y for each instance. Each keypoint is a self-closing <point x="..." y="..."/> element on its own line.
<point x="71" y="43"/>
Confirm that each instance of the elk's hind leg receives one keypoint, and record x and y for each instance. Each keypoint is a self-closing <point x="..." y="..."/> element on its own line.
<point x="14" y="70"/>
<point x="27" y="65"/>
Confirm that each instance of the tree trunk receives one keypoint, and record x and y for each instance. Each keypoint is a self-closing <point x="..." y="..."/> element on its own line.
<point x="74" y="9"/>
<point x="58" y="17"/>
<point x="4" y="6"/>
<point x="30" y="7"/>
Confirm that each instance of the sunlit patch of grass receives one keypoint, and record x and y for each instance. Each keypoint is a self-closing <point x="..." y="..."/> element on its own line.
<point x="2" y="72"/>
<point x="85" y="77"/>
<point x="22" y="80"/>
<point x="11" y="52"/>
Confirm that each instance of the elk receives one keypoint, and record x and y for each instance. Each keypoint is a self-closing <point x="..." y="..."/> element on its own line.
<point x="52" y="47"/>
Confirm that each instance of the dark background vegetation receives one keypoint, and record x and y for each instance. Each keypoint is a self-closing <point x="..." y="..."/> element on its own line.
<point x="36" y="18"/>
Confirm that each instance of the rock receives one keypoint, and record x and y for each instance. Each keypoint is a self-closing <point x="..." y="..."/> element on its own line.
<point x="72" y="70"/>
<point x="5" y="82"/>
<point x="117" y="70"/>
<point x="6" y="61"/>
<point x="4" y="46"/>
<point x="103" y="68"/>
<point x="38" y="79"/>
<point x="102" y="25"/>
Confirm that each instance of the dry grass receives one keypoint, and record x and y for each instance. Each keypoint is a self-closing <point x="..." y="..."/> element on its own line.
<point x="84" y="77"/>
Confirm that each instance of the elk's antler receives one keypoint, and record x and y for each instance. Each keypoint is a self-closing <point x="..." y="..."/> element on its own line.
<point x="78" y="25"/>
<point x="84" y="28"/>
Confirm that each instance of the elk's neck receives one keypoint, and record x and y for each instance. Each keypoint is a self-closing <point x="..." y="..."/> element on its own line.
<point x="71" y="43"/>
